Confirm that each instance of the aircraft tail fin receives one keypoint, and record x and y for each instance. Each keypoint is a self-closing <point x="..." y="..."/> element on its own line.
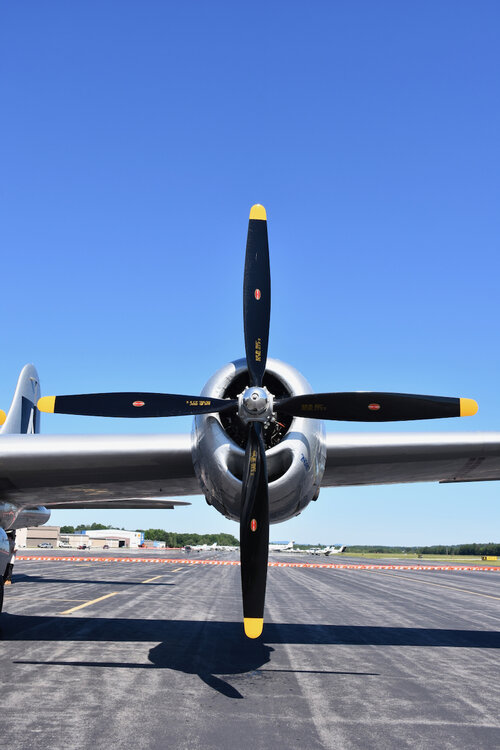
<point x="23" y="416"/>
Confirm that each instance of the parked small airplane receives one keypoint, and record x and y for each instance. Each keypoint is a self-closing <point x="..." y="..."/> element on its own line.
<point x="334" y="550"/>
<point x="259" y="454"/>
<point x="281" y="546"/>
<point x="202" y="547"/>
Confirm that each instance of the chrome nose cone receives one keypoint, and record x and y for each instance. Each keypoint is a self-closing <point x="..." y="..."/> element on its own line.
<point x="255" y="400"/>
<point x="255" y="405"/>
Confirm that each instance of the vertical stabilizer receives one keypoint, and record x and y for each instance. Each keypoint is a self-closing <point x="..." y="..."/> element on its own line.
<point x="23" y="416"/>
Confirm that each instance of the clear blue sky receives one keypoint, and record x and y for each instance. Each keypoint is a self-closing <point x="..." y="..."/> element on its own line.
<point x="136" y="136"/>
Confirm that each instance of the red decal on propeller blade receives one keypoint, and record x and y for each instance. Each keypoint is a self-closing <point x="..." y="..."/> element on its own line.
<point x="374" y="407"/>
<point x="253" y="524"/>
<point x="257" y="294"/>
<point x="138" y="403"/>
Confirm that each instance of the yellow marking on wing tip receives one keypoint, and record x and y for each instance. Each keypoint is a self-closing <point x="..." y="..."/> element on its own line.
<point x="468" y="407"/>
<point x="3" y="416"/>
<point x="47" y="404"/>
<point x="87" y="604"/>
<point x="253" y="626"/>
<point x="258" y="212"/>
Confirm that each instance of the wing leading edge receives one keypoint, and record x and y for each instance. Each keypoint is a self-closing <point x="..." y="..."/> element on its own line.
<point x="385" y="458"/>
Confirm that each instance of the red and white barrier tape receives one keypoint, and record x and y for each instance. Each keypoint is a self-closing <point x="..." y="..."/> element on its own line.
<point x="335" y="566"/>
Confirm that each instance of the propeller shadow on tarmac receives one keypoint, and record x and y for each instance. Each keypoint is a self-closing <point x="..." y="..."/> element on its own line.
<point x="217" y="651"/>
<point x="23" y="578"/>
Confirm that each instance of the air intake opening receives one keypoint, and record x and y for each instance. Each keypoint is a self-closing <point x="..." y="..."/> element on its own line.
<point x="273" y="433"/>
<point x="277" y="465"/>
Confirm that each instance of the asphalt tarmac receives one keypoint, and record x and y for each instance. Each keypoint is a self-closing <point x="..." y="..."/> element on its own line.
<point x="147" y="655"/>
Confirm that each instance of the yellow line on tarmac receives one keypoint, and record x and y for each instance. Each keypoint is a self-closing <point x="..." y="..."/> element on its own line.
<point x="87" y="604"/>
<point x="152" y="579"/>
<point x="175" y="571"/>
<point x="431" y="583"/>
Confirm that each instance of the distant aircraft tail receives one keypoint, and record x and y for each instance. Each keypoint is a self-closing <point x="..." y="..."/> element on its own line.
<point x="23" y="416"/>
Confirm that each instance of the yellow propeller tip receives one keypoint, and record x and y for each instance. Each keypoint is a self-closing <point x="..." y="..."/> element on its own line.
<point x="47" y="404"/>
<point x="258" y="212"/>
<point x="3" y="416"/>
<point x="253" y="626"/>
<point x="468" y="407"/>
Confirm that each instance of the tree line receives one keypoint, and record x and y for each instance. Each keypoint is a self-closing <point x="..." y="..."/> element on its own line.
<point x="176" y="539"/>
<point x="84" y="527"/>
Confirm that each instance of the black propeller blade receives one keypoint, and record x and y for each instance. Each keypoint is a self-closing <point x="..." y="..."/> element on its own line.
<point x="372" y="406"/>
<point x="133" y="404"/>
<point x="254" y="532"/>
<point x="257" y="295"/>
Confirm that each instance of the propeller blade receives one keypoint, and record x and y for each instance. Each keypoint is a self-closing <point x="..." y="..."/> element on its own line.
<point x="254" y="532"/>
<point x="133" y="404"/>
<point x="257" y="295"/>
<point x="373" y="406"/>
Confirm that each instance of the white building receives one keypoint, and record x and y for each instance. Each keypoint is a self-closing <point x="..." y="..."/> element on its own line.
<point x="112" y="537"/>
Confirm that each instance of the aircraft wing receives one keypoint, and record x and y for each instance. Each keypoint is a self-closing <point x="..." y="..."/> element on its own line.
<point x="96" y="471"/>
<point x="145" y="471"/>
<point x="385" y="458"/>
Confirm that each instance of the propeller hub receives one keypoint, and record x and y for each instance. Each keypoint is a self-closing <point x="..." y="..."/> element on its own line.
<point x="255" y="405"/>
<point x="255" y="400"/>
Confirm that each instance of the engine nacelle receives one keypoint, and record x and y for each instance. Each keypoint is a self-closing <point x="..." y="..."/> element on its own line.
<point x="295" y="447"/>
<point x="13" y="517"/>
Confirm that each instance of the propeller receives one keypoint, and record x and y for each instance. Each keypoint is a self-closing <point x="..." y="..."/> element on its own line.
<point x="254" y="407"/>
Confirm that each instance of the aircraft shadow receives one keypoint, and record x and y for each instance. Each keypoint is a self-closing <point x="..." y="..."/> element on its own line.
<point x="217" y="650"/>
<point x="43" y="579"/>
